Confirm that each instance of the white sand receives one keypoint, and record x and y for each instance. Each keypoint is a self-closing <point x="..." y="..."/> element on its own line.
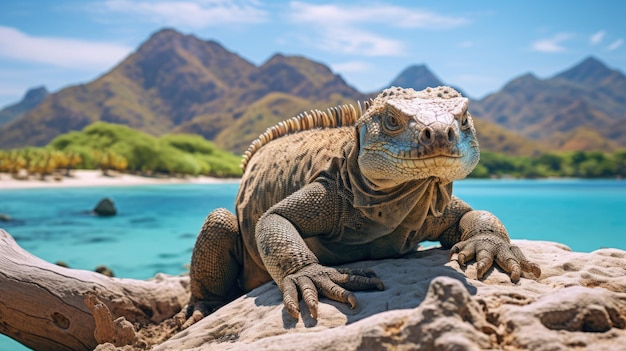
<point x="89" y="178"/>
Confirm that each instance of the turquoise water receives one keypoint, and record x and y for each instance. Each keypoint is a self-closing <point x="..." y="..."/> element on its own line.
<point x="154" y="230"/>
<point x="156" y="226"/>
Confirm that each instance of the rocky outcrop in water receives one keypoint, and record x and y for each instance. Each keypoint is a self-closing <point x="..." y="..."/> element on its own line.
<point x="105" y="207"/>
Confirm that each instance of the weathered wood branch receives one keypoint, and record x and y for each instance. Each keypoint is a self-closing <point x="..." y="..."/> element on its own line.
<point x="43" y="305"/>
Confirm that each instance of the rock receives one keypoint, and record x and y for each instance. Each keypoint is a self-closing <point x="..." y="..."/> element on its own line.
<point x="428" y="303"/>
<point x="102" y="269"/>
<point x="105" y="208"/>
<point x="62" y="264"/>
<point x="5" y="217"/>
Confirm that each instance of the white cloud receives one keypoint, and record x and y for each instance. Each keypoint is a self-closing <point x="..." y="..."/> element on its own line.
<point x="357" y="41"/>
<point x="553" y="44"/>
<point x="597" y="37"/>
<point x="195" y="14"/>
<point x="61" y="52"/>
<point x="351" y="66"/>
<point x="616" y="44"/>
<point x="347" y="29"/>
<point x="394" y="16"/>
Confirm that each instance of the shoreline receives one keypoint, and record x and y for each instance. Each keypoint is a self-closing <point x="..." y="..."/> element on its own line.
<point x="94" y="178"/>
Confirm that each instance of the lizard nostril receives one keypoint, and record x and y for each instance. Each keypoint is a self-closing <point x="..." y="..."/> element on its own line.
<point x="451" y="135"/>
<point x="426" y="136"/>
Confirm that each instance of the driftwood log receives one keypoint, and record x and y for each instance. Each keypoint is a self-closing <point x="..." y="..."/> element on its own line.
<point x="48" y="307"/>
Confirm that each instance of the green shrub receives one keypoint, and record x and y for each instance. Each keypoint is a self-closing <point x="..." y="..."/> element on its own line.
<point x="174" y="154"/>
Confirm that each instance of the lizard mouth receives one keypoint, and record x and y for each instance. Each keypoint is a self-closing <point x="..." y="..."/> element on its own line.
<point x="420" y="153"/>
<point x="427" y="157"/>
<point x="417" y="163"/>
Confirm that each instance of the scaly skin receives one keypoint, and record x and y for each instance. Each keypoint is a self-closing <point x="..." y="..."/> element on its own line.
<point x="311" y="198"/>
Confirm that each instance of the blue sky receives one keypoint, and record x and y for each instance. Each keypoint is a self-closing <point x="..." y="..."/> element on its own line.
<point x="475" y="45"/>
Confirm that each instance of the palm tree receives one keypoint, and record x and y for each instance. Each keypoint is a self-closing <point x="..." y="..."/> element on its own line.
<point x="16" y="163"/>
<point x="3" y="162"/>
<point x="61" y="160"/>
<point x="105" y="162"/>
<point x="119" y="163"/>
<point x="74" y="159"/>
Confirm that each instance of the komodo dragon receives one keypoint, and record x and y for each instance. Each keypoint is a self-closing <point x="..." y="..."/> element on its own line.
<point x="327" y="188"/>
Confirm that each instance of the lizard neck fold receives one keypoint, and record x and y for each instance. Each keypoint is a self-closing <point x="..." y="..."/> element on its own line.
<point x="391" y="206"/>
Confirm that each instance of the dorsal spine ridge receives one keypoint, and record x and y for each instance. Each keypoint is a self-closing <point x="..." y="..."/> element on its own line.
<point x="338" y="116"/>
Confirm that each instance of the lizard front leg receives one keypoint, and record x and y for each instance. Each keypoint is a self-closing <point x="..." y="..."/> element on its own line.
<point x="313" y="210"/>
<point x="481" y="235"/>
<point x="485" y="238"/>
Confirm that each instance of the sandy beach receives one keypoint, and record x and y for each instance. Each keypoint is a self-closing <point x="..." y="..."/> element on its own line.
<point x="93" y="178"/>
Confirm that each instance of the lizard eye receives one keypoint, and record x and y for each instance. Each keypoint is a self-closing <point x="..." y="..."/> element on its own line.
<point x="391" y="123"/>
<point x="464" y="121"/>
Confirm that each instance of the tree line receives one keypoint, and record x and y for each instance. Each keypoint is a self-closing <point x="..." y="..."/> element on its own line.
<point x="112" y="147"/>
<point x="40" y="162"/>
<point x="577" y="164"/>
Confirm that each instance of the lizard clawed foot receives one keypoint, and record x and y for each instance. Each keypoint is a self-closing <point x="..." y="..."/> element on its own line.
<point x="193" y="313"/>
<point x="334" y="283"/>
<point x="486" y="249"/>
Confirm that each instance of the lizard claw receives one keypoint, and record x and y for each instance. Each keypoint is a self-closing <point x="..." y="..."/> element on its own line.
<point x="334" y="283"/>
<point x="486" y="248"/>
<point x="184" y="322"/>
<point x="193" y="313"/>
<point x="518" y="262"/>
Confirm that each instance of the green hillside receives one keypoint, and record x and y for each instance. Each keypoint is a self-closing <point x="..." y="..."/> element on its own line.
<point x="577" y="164"/>
<point x="109" y="146"/>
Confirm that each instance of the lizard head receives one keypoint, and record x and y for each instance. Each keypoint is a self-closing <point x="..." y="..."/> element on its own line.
<point x="408" y="135"/>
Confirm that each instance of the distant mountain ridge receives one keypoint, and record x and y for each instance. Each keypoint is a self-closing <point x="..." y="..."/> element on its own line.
<point x="179" y="83"/>
<point x="31" y="99"/>
<point x="419" y="77"/>
<point x="586" y="97"/>
<point x="590" y="71"/>
<point x="176" y="82"/>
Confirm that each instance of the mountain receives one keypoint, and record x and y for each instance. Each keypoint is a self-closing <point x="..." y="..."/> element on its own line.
<point x="494" y="138"/>
<point x="168" y="80"/>
<point x="589" y="96"/>
<point x="280" y="88"/>
<point x="176" y="82"/>
<point x="418" y="77"/>
<point x="31" y="99"/>
<point x="179" y="83"/>
<point x="590" y="71"/>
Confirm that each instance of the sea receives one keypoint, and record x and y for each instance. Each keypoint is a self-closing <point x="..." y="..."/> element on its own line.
<point x="156" y="225"/>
